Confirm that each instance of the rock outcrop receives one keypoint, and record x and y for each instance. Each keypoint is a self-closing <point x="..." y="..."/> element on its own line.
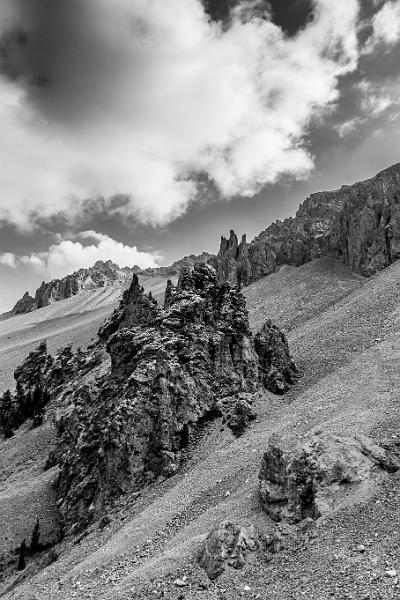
<point x="317" y="475"/>
<point x="359" y="224"/>
<point x="228" y="544"/>
<point x="169" y="370"/>
<point x="232" y="261"/>
<point x="102" y="274"/>
<point x="237" y="412"/>
<point x="24" y="305"/>
<point x="278" y="370"/>
<point x="30" y="396"/>
<point x="39" y="379"/>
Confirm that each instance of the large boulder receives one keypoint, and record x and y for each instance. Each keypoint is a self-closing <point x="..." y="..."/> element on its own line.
<point x="277" y="368"/>
<point x="316" y="476"/>
<point x="227" y="544"/>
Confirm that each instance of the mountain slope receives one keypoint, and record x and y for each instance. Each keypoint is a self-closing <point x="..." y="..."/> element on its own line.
<point x="75" y="319"/>
<point x="348" y="353"/>
<point x="100" y="275"/>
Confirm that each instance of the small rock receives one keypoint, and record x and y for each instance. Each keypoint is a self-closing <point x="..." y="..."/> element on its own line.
<point x="181" y="582"/>
<point x="391" y="573"/>
<point x="361" y="548"/>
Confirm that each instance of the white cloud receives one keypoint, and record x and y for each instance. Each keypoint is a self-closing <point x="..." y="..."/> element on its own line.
<point x="7" y="259"/>
<point x="67" y="256"/>
<point x="350" y="126"/>
<point x="378" y="97"/>
<point x="385" y="26"/>
<point x="186" y="97"/>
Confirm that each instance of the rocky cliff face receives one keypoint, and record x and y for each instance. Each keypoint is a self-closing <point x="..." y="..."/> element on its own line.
<point x="102" y="274"/>
<point x="171" y="370"/>
<point x="232" y="261"/>
<point x="359" y="224"/>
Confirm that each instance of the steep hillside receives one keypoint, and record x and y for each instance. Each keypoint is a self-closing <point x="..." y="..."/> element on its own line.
<point x="348" y="352"/>
<point x="101" y="275"/>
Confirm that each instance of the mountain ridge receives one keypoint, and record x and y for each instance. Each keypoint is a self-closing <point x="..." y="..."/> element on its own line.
<point x="101" y="274"/>
<point x="358" y="223"/>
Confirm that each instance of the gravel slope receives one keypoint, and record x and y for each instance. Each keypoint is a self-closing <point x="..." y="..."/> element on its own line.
<point x="347" y="343"/>
<point x="74" y="320"/>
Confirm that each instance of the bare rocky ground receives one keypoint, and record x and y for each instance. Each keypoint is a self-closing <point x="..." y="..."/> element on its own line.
<point x="344" y="332"/>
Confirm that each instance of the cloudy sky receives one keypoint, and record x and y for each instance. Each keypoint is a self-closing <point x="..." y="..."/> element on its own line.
<point x="142" y="130"/>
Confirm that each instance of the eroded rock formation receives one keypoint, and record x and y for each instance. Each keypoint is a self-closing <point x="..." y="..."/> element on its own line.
<point x="317" y="475"/>
<point x="227" y="544"/>
<point x="278" y="370"/>
<point x="30" y="396"/>
<point x="232" y="261"/>
<point x="39" y="379"/>
<point x="169" y="369"/>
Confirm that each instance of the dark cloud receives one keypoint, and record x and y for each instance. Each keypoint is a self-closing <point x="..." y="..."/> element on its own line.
<point x="58" y="51"/>
<point x="291" y="15"/>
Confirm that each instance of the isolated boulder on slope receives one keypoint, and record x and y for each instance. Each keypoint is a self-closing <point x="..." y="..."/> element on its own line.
<point x="315" y="477"/>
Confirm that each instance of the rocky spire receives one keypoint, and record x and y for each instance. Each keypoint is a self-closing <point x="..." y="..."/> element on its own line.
<point x="135" y="308"/>
<point x="170" y="368"/>
<point x="232" y="262"/>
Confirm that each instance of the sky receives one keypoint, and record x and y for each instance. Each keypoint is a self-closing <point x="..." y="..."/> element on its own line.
<point x="141" y="131"/>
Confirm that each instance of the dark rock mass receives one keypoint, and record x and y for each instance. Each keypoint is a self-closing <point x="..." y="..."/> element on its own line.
<point x="228" y="544"/>
<point x="317" y="475"/>
<point x="232" y="261"/>
<point x="277" y="368"/>
<point x="39" y="379"/>
<point x="30" y="396"/>
<point x="359" y="224"/>
<point x="24" y="305"/>
<point x="170" y="368"/>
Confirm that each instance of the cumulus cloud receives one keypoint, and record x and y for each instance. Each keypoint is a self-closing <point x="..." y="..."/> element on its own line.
<point x="8" y="259"/>
<point x="348" y="127"/>
<point x="385" y="27"/>
<point x="138" y="98"/>
<point x="67" y="256"/>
